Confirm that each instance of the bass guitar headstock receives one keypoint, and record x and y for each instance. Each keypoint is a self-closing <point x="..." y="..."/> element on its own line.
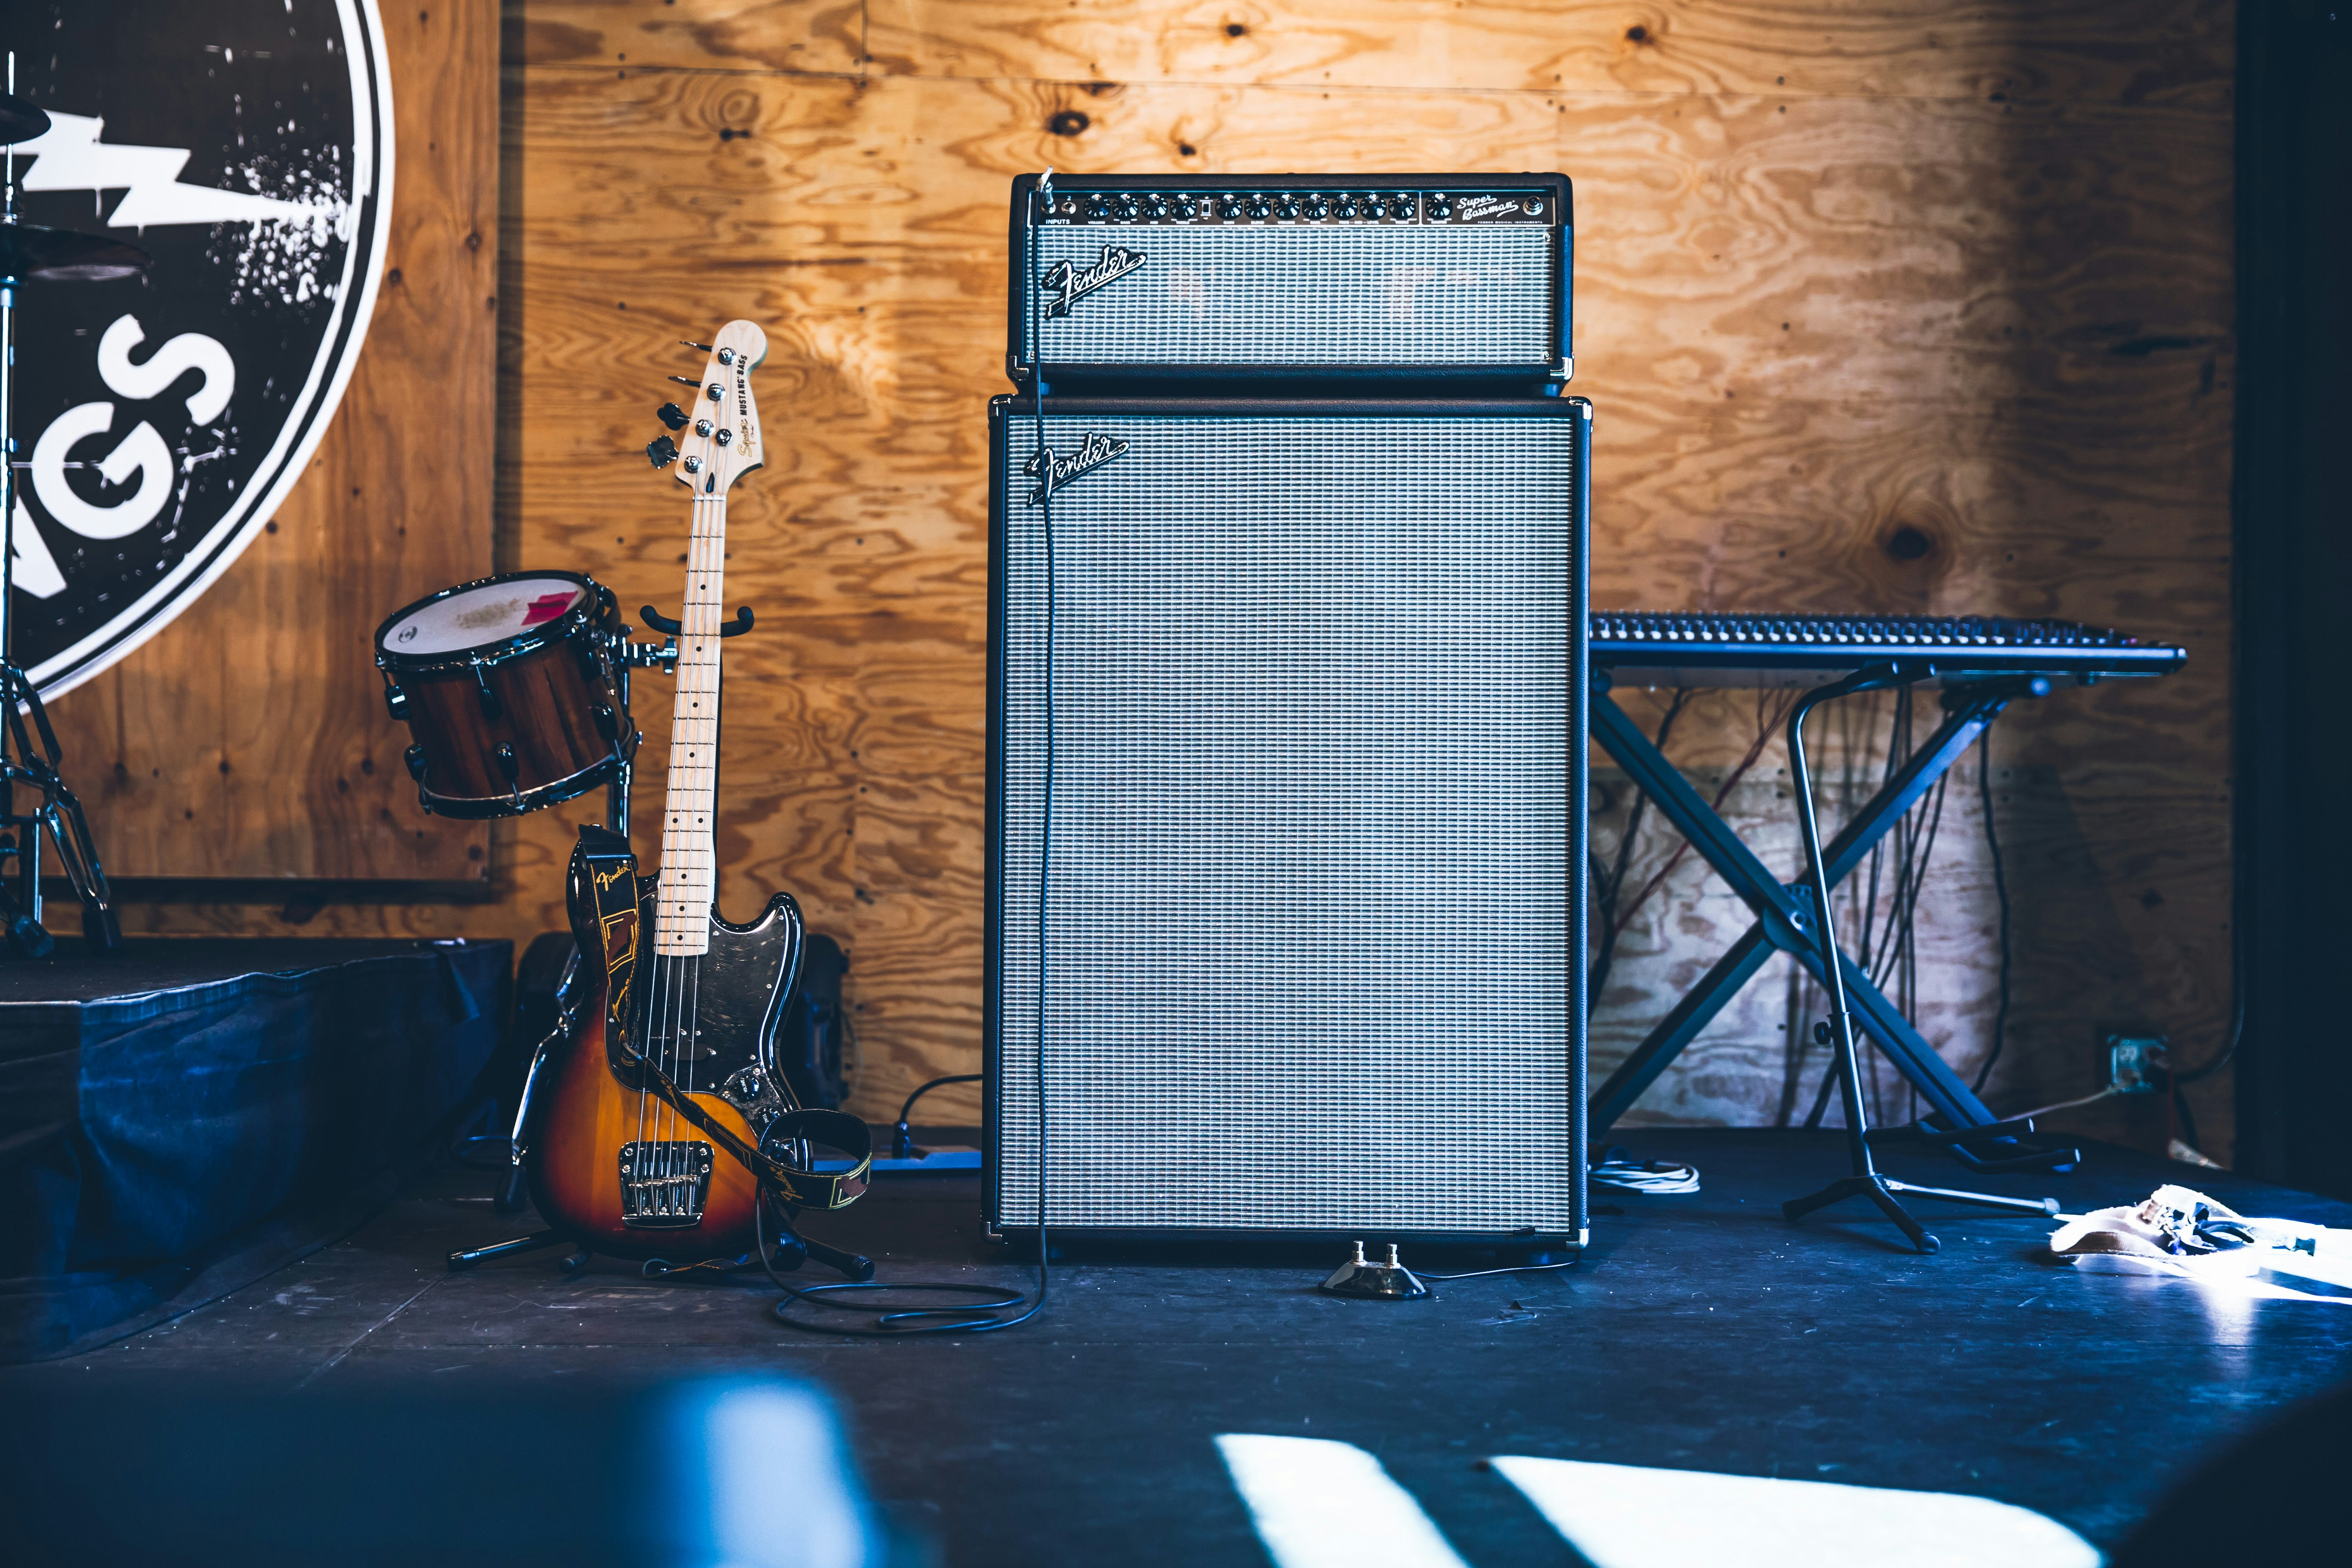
<point x="718" y="437"/>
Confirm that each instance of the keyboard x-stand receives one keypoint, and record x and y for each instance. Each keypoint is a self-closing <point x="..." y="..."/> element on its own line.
<point x="1982" y="665"/>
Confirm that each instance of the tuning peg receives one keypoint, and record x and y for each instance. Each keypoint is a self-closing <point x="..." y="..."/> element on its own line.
<point x="661" y="451"/>
<point x="703" y="347"/>
<point x="685" y="381"/>
<point x="672" y="415"/>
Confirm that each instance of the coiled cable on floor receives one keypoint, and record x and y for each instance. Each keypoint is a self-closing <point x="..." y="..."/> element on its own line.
<point x="1617" y="1169"/>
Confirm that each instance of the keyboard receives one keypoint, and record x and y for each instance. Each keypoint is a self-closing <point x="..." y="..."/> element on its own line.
<point x="1642" y="648"/>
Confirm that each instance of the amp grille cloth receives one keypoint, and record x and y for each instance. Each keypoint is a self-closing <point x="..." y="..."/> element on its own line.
<point x="1310" y="878"/>
<point x="1408" y="294"/>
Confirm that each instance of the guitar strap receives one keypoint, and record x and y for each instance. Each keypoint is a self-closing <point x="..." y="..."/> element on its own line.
<point x="607" y="919"/>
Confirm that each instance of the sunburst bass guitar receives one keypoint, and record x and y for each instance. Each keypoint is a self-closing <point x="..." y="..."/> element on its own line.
<point x="667" y="1122"/>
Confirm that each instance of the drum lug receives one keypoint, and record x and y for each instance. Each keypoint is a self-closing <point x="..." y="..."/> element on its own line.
<point x="395" y="702"/>
<point x="414" y="758"/>
<point x="608" y="724"/>
<point x="491" y="708"/>
<point x="510" y="766"/>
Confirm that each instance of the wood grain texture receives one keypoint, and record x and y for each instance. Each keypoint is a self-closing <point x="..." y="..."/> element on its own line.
<point x="1847" y="274"/>
<point x="249" y="739"/>
<point x="1870" y="48"/>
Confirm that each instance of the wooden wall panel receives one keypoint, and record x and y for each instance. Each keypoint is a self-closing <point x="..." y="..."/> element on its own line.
<point x="1905" y="48"/>
<point x="1848" y="273"/>
<point x="248" y="739"/>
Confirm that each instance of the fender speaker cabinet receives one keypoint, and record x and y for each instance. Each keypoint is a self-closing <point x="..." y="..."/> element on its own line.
<point x="1312" y="948"/>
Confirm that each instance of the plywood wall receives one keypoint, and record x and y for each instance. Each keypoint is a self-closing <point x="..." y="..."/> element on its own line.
<point x="247" y="742"/>
<point x="1883" y="308"/>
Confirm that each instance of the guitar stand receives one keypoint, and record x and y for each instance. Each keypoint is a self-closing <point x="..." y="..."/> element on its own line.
<point x="1838" y="1032"/>
<point x="788" y="1250"/>
<point x="1960" y="1123"/>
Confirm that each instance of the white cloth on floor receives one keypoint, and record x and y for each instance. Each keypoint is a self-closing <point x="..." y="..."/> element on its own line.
<point x="2180" y="1231"/>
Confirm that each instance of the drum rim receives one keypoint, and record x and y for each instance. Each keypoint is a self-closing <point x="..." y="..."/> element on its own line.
<point x="499" y="649"/>
<point x="555" y="792"/>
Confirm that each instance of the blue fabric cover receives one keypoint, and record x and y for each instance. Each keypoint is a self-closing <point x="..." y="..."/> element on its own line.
<point x="179" y="1119"/>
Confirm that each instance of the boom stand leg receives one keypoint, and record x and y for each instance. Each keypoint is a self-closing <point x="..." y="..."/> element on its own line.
<point x="1865" y="1180"/>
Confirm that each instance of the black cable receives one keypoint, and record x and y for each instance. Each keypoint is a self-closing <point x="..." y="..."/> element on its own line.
<point x="903" y="1322"/>
<point x="2001" y="892"/>
<point x="1607" y="886"/>
<point x="902" y="1137"/>
<point x="2179" y="1082"/>
<point x="2188" y="1121"/>
<point x="2237" y="1032"/>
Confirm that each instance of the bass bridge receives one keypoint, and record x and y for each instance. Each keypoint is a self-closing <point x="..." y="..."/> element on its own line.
<point x="664" y="1184"/>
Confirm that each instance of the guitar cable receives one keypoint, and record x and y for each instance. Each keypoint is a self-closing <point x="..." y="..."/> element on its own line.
<point x="972" y="1317"/>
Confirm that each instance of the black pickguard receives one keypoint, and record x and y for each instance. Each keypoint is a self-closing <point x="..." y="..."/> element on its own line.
<point x="708" y="1021"/>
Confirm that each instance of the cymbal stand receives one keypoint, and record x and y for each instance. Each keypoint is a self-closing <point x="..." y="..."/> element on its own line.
<point x="22" y="765"/>
<point x="1865" y="1180"/>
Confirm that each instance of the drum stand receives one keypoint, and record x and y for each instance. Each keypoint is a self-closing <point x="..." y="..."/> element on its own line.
<point x="22" y="765"/>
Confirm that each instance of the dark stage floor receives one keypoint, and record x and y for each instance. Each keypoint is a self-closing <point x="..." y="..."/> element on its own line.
<point x="1702" y="1332"/>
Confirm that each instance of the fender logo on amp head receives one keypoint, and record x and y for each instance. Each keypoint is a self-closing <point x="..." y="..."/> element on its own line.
<point x="1064" y="283"/>
<point x="1093" y="452"/>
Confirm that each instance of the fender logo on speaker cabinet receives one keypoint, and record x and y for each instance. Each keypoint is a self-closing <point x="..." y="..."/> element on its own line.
<point x="1064" y="283"/>
<point x="246" y="145"/>
<point x="1093" y="452"/>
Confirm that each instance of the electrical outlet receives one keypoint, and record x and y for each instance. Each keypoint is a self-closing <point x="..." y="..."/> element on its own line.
<point x="2131" y="1063"/>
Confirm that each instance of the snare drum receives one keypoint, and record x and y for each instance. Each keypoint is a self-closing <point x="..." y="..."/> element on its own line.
<point x="508" y="686"/>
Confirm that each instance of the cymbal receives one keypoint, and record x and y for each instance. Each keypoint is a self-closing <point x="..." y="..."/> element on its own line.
<point x="38" y="255"/>
<point x="19" y="120"/>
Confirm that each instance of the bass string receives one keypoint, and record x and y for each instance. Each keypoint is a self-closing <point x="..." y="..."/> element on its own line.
<point x="652" y="990"/>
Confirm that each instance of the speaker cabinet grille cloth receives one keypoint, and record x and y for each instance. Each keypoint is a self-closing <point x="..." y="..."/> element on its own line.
<point x="1315" y="900"/>
<point x="1301" y="297"/>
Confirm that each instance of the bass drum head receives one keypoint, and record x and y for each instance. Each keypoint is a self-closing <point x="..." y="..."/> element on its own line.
<point x="498" y="614"/>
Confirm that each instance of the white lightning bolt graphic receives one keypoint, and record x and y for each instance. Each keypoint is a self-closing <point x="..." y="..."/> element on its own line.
<point x="70" y="157"/>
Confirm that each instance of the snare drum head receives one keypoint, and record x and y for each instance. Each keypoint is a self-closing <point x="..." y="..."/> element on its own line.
<point x="482" y="615"/>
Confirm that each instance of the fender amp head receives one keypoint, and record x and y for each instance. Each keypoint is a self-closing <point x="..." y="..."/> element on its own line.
<point x="1134" y="282"/>
<point x="1312" y="957"/>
